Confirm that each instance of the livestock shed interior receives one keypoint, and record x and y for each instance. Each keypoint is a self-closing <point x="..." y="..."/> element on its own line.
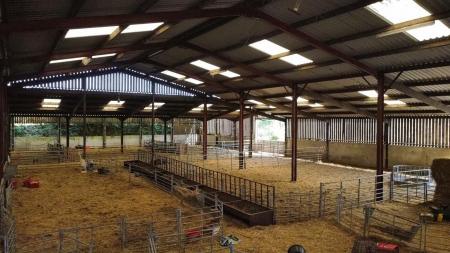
<point x="225" y="126"/>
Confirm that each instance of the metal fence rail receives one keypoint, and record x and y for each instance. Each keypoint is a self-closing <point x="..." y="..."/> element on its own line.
<point x="41" y="157"/>
<point x="297" y="206"/>
<point x="257" y="193"/>
<point x="294" y="206"/>
<point x="368" y="221"/>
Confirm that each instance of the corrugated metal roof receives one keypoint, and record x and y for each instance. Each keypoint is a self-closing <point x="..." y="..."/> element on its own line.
<point x="433" y="88"/>
<point x="20" y="10"/>
<point x="241" y="30"/>
<point x="336" y="69"/>
<point x="248" y="27"/>
<point x="108" y="7"/>
<point x="410" y="59"/>
<point x="308" y="8"/>
<point x="175" y="55"/>
<point x="426" y="74"/>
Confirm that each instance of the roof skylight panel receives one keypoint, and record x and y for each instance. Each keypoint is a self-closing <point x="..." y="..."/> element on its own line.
<point x="205" y="65"/>
<point x="66" y="60"/>
<point x="103" y="55"/>
<point x="268" y="47"/>
<point x="89" y="32"/>
<point x="173" y="74"/>
<point x="193" y="81"/>
<point x="255" y="102"/>
<point x="369" y="93"/>
<point x="315" y="105"/>
<point x="296" y="59"/>
<point x="156" y="106"/>
<point x="437" y="30"/>
<point x="300" y="100"/>
<point x="51" y="101"/>
<point x="398" y="11"/>
<point x="394" y="102"/>
<point x="147" y="27"/>
<point x="229" y="74"/>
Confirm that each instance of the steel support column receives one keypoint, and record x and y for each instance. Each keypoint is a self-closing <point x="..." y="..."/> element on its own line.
<point x="153" y="125"/>
<point x="172" y="130"/>
<point x="12" y="134"/>
<point x="140" y="132"/>
<point x="59" y="131"/>
<point x="83" y="81"/>
<point x="205" y="130"/>
<point x="104" y="133"/>
<point x="234" y="133"/>
<point x="67" y="135"/>
<point x="241" y="131"/>
<point x="386" y="144"/>
<point x="121" y="134"/>
<point x="216" y="130"/>
<point x="380" y="138"/>
<point x="327" y="142"/>
<point x="294" y="130"/>
<point x="250" y="145"/>
<point x="165" y="132"/>
<point x="285" y="137"/>
<point x="4" y="125"/>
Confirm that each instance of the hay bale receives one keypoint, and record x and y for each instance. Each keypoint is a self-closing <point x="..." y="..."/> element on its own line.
<point x="440" y="170"/>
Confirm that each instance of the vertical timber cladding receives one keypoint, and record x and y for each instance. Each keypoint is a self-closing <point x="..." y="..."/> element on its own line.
<point x="411" y="131"/>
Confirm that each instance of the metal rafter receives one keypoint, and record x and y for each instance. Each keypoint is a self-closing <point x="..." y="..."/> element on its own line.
<point x="330" y="14"/>
<point x="315" y="43"/>
<point x="76" y="6"/>
<point x="283" y="81"/>
<point x="158" y="31"/>
<point x="195" y="31"/>
<point x="142" y="8"/>
<point x="214" y="83"/>
<point x="370" y="33"/>
<point x="94" y="21"/>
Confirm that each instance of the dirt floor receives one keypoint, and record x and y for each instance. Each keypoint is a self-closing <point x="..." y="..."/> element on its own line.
<point x="277" y="172"/>
<point x="69" y="198"/>
<point x="317" y="236"/>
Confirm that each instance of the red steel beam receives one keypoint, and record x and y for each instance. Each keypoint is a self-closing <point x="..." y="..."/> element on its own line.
<point x="294" y="130"/>
<point x="96" y="21"/>
<point x="380" y="138"/>
<point x="205" y="129"/>
<point x="241" y="131"/>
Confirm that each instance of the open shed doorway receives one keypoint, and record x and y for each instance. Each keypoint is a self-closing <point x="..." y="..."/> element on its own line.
<point x="269" y="130"/>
